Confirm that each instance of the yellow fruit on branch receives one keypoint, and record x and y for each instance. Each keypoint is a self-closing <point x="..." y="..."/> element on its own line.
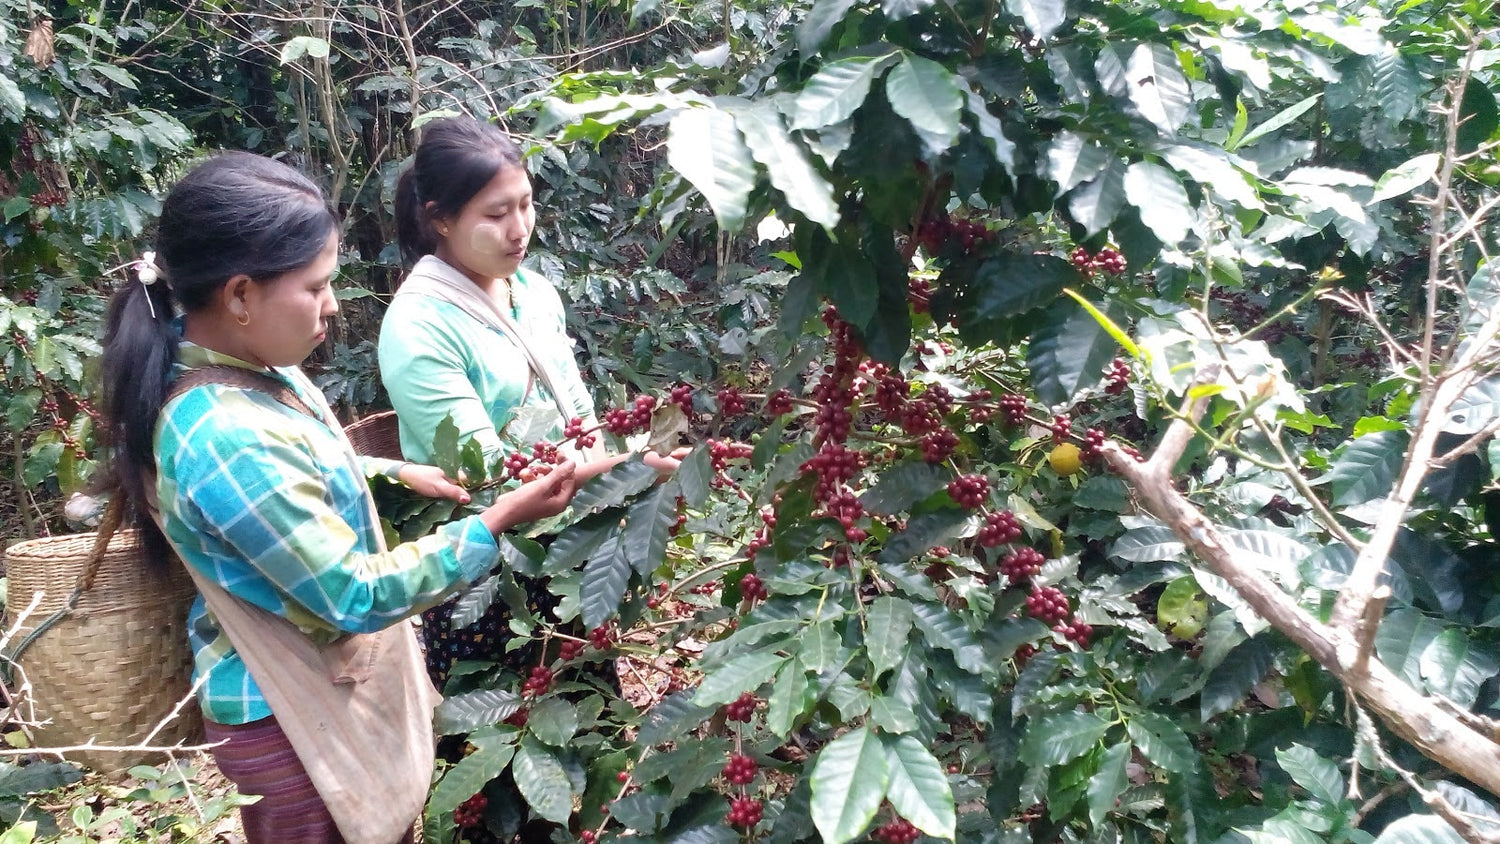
<point x="1066" y="459"/>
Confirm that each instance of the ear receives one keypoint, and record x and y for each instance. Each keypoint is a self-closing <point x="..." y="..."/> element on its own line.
<point x="438" y="222"/>
<point x="235" y="294"/>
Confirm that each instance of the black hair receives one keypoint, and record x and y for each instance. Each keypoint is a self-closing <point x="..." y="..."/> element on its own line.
<point x="455" y="159"/>
<point x="233" y="214"/>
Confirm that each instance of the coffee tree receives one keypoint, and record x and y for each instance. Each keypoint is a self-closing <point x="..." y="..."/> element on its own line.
<point x="923" y="581"/>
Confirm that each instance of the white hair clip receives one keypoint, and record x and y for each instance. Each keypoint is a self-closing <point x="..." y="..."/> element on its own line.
<point x="146" y="270"/>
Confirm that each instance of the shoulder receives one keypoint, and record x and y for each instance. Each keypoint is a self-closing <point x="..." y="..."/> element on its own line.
<point x="540" y="292"/>
<point x="214" y="423"/>
<point x="417" y="320"/>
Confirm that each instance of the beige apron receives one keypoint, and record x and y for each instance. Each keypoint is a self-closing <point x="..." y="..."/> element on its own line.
<point x="357" y="711"/>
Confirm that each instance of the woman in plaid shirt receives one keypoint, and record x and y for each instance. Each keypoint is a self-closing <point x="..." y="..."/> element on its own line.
<point x="262" y="499"/>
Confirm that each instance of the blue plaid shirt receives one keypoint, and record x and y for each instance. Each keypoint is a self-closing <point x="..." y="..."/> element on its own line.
<point x="263" y="499"/>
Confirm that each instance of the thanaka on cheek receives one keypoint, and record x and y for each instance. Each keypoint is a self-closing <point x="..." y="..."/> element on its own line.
<point x="487" y="239"/>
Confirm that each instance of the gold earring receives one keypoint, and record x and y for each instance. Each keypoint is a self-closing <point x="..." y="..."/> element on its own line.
<point x="243" y="318"/>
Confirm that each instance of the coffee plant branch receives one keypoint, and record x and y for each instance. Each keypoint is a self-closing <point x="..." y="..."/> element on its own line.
<point x="1418" y="719"/>
<point x="1439" y="391"/>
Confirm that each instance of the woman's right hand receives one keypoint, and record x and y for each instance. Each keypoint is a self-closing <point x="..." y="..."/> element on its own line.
<point x="533" y="500"/>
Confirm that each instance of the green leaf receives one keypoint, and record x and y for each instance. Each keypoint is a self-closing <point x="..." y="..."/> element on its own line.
<point x="918" y="788"/>
<point x="1478" y="117"/>
<point x="12" y="100"/>
<point x="1157" y="88"/>
<point x="1098" y="202"/>
<point x="887" y="626"/>
<point x="613" y="487"/>
<point x="1071" y="160"/>
<point x="1366" y="468"/>
<point x="41" y="462"/>
<point x="1402" y="638"/>
<point x="25" y="831"/>
<point x="1419" y="829"/>
<point x="789" y="698"/>
<point x="543" y="781"/>
<point x="648" y="528"/>
<point x="1475" y="409"/>
<point x="818" y="23"/>
<point x="1282" y="118"/>
<point x="523" y="556"/>
<point x="1182" y="608"/>
<point x="1162" y="741"/>
<point x="1454" y="666"/>
<point x="445" y="447"/>
<point x="990" y="130"/>
<point x="468" y="712"/>
<point x="819" y="647"/>
<point x="1106" y="322"/>
<point x="553" y="721"/>
<point x="16" y="206"/>
<point x="577" y="542"/>
<point x="472" y="773"/>
<point x="1398" y="86"/>
<point x="944" y="629"/>
<point x="1319" y="776"/>
<point x="672" y="718"/>
<point x="903" y="485"/>
<point x="1232" y="679"/>
<point x="695" y="473"/>
<point x="1042" y="17"/>
<point x="741" y="674"/>
<point x="303" y="45"/>
<point x="788" y="165"/>
<point x="838" y="89"/>
<point x="1068" y="352"/>
<point x="706" y="148"/>
<point x="1404" y="178"/>
<point x="1058" y="737"/>
<point x="1215" y="170"/>
<point x="898" y="9"/>
<point x="1161" y="199"/>
<point x="605" y="577"/>
<point x="1103" y="492"/>
<point x="848" y="780"/>
<point x="21" y="780"/>
<point x="1007" y="285"/>
<point x="1108" y="782"/>
<point x="473" y="602"/>
<point x="922" y="532"/>
<point x="925" y="93"/>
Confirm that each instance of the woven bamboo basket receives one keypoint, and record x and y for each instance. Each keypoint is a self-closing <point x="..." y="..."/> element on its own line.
<point x="376" y="435"/>
<point x="110" y="669"/>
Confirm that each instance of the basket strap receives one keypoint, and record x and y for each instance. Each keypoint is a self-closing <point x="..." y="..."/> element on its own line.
<point x="245" y="379"/>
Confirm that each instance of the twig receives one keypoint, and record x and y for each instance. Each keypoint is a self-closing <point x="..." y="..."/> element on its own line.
<point x="1434" y="800"/>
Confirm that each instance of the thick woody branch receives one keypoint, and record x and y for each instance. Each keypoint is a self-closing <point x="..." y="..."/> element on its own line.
<point x="1419" y="720"/>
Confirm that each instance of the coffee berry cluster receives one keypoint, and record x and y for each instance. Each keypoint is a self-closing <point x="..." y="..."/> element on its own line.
<point x="1106" y="260"/>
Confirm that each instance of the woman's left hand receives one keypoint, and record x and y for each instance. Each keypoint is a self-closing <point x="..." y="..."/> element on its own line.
<point x="431" y="482"/>
<point x="666" y="464"/>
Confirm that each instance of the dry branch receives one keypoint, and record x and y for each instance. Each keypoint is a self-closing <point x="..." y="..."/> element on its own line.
<point x="1416" y="718"/>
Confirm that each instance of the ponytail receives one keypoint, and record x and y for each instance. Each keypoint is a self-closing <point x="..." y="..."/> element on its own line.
<point x="140" y="345"/>
<point x="414" y="230"/>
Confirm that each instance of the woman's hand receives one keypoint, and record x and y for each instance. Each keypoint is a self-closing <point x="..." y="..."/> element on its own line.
<point x="666" y="464"/>
<point x="431" y="482"/>
<point x="533" y="500"/>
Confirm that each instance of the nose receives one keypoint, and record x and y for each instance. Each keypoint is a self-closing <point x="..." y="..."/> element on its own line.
<point x="330" y="302"/>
